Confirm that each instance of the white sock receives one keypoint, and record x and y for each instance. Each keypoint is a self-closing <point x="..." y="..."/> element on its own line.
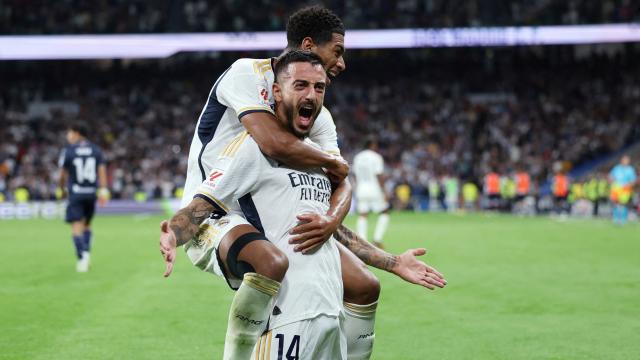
<point x="359" y="329"/>
<point x="248" y="315"/>
<point x="362" y="227"/>
<point x="381" y="227"/>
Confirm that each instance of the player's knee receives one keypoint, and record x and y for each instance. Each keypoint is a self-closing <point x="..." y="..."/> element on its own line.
<point x="274" y="264"/>
<point x="365" y="290"/>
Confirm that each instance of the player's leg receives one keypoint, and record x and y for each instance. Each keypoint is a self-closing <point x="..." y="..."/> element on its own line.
<point x="381" y="229"/>
<point x="246" y="254"/>
<point x="361" y="292"/>
<point x="89" y="210"/>
<point x="382" y="208"/>
<point x="74" y="216"/>
<point x="362" y="225"/>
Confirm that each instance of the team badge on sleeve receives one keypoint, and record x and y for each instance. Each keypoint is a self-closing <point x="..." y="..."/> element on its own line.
<point x="263" y="95"/>
<point x="214" y="177"/>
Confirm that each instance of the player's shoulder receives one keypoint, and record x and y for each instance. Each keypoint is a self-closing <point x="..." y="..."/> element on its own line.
<point x="325" y="115"/>
<point x="251" y="66"/>
<point x="242" y="145"/>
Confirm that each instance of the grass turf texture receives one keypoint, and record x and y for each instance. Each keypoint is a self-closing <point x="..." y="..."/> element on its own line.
<point x="518" y="289"/>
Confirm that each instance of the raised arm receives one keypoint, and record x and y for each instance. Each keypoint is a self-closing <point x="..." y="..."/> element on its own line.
<point x="406" y="266"/>
<point x="280" y="144"/>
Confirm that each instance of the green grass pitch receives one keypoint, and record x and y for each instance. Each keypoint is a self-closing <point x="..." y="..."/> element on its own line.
<point x="518" y="288"/>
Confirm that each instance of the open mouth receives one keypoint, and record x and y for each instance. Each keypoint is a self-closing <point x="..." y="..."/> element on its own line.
<point x="305" y="112"/>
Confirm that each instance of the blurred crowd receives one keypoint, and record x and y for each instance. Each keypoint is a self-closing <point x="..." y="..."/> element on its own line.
<point x="438" y="120"/>
<point x="146" y="16"/>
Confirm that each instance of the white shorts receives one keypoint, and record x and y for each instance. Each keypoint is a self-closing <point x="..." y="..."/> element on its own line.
<point x="202" y="250"/>
<point x="372" y="202"/>
<point x="320" y="338"/>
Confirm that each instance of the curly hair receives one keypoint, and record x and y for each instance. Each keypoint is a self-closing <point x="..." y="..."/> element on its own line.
<point x="316" y="22"/>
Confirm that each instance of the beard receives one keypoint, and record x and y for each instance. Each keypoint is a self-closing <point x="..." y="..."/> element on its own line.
<point x="291" y="114"/>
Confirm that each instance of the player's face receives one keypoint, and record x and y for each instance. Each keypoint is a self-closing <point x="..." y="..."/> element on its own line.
<point x="300" y="96"/>
<point x="332" y="53"/>
<point x="72" y="136"/>
<point x="625" y="160"/>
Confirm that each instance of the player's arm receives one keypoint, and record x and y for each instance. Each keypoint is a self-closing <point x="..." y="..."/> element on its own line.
<point x="242" y="88"/>
<point x="315" y="229"/>
<point x="381" y="181"/>
<point x="406" y="266"/>
<point x="181" y="228"/>
<point x="63" y="176"/>
<point x="280" y="144"/>
<point x="103" y="191"/>
<point x="231" y="178"/>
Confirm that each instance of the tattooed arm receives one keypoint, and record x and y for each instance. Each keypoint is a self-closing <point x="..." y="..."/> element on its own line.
<point x="181" y="228"/>
<point x="405" y="266"/>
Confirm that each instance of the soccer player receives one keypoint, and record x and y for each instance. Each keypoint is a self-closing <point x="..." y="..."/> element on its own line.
<point x="307" y="308"/>
<point x="623" y="178"/>
<point x="242" y="99"/>
<point x="368" y="170"/>
<point x="82" y="169"/>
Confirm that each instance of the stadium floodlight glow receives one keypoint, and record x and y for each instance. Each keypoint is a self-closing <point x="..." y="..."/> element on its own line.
<point x="53" y="47"/>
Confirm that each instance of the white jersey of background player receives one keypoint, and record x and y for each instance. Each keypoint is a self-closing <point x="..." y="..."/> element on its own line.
<point x="368" y="168"/>
<point x="245" y="87"/>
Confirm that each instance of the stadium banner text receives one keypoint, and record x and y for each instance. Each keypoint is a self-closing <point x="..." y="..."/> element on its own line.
<point x="59" y="47"/>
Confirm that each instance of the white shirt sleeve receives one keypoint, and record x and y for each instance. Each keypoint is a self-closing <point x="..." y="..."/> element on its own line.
<point x="235" y="173"/>
<point x="244" y="87"/>
<point x="324" y="133"/>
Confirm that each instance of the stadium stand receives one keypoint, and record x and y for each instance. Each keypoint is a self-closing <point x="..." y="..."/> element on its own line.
<point x="145" y="16"/>
<point x="436" y="118"/>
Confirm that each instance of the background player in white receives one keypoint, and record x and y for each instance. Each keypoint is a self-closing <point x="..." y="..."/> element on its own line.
<point x="368" y="170"/>
<point x="243" y="93"/>
<point x="82" y="170"/>
<point x="310" y="299"/>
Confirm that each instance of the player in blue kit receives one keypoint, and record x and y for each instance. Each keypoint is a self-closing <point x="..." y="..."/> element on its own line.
<point x="81" y="170"/>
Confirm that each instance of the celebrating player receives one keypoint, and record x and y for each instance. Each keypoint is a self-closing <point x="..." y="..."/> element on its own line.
<point x="81" y="170"/>
<point x="310" y="295"/>
<point x="368" y="168"/>
<point x="244" y="93"/>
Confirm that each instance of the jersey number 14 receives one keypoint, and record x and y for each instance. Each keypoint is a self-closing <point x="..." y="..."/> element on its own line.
<point x="85" y="169"/>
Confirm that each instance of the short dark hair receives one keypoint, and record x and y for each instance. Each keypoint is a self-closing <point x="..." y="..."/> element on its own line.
<point x="79" y="127"/>
<point x="295" y="56"/>
<point x="316" y="22"/>
<point x="370" y="140"/>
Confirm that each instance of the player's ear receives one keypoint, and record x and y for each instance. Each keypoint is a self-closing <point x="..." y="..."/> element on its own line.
<point x="307" y="44"/>
<point x="277" y="92"/>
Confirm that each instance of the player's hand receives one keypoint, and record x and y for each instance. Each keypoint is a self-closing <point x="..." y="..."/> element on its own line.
<point x="167" y="246"/>
<point x="417" y="272"/>
<point x="102" y="201"/>
<point x="312" y="231"/>
<point x="103" y="196"/>
<point x="61" y="193"/>
<point x="339" y="171"/>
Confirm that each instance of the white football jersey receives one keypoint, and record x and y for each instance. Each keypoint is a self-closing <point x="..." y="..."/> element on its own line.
<point x="367" y="165"/>
<point x="270" y="196"/>
<point x="244" y="88"/>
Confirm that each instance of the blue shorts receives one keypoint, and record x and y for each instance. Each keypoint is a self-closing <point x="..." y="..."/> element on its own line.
<point x="79" y="209"/>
